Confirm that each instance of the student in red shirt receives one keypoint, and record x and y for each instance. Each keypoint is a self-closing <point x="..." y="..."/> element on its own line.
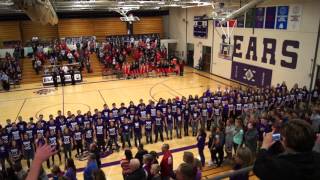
<point x="166" y="163"/>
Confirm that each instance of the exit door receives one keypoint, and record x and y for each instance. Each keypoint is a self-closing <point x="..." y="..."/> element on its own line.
<point x="206" y="58"/>
<point x="190" y="53"/>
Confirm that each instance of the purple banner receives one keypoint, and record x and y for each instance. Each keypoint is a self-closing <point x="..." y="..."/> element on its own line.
<point x="259" y="18"/>
<point x="251" y="75"/>
<point x="270" y="17"/>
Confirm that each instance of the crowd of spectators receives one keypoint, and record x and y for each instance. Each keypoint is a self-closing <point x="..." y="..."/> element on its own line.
<point x="10" y="70"/>
<point x="240" y="123"/>
<point x="145" y="51"/>
<point x="58" y="52"/>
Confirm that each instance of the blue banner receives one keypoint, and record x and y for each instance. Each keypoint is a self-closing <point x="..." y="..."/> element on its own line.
<point x="200" y="28"/>
<point x="251" y="75"/>
<point x="282" y="17"/>
<point x="259" y="18"/>
<point x="270" y="17"/>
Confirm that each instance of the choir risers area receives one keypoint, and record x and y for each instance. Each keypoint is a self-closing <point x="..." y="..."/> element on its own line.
<point x="29" y="75"/>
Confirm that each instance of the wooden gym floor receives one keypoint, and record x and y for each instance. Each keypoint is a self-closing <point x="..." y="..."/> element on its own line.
<point x="30" y="100"/>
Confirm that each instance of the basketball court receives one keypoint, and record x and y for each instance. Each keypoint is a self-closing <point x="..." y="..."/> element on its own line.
<point x="33" y="99"/>
<point x="106" y="44"/>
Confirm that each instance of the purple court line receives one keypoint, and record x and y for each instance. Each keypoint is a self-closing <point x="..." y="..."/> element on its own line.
<point x="113" y="163"/>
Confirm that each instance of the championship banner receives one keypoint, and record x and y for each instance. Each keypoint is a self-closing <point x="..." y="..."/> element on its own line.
<point x="270" y="17"/>
<point x="282" y="17"/>
<point x="259" y="17"/>
<point x="200" y="27"/>
<point x="251" y="75"/>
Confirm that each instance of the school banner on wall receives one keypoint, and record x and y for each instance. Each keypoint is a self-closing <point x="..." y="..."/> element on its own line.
<point x="259" y="17"/>
<point x="200" y="27"/>
<point x="270" y="17"/>
<point x="251" y="75"/>
<point x="282" y="17"/>
<point x="295" y="13"/>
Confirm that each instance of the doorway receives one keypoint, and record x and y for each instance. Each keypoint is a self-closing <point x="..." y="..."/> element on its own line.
<point x="206" y="59"/>
<point x="190" y="53"/>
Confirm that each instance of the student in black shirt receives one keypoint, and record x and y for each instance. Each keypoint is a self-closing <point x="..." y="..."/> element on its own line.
<point x="52" y="140"/>
<point x="78" y="136"/>
<point x="27" y="149"/>
<point x="67" y="143"/>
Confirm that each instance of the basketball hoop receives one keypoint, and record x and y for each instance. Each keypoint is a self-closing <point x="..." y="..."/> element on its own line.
<point x="226" y="32"/>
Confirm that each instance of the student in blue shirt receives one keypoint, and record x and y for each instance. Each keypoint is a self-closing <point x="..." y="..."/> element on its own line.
<point x="91" y="167"/>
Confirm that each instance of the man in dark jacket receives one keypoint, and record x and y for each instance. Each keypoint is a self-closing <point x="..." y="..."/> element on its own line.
<point x="297" y="162"/>
<point x="140" y="153"/>
<point x="137" y="172"/>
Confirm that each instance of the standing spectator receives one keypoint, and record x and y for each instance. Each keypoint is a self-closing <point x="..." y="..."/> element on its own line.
<point x="99" y="175"/>
<point x="95" y="150"/>
<point x="91" y="166"/>
<point x="298" y="161"/>
<point x="71" y="172"/>
<point x="55" y="78"/>
<point x="155" y="157"/>
<point x="5" y="81"/>
<point x="62" y="78"/>
<point x="125" y="163"/>
<point x="251" y="138"/>
<point x="137" y="172"/>
<point x="229" y="131"/>
<point x="71" y="72"/>
<point x="315" y="119"/>
<point x="238" y="135"/>
<point x="166" y="163"/>
<point x="216" y="142"/>
<point x="186" y="171"/>
<point x="243" y="158"/>
<point x="201" y="142"/>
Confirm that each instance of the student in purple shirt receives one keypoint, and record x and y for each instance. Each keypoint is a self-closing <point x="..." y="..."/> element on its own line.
<point x="169" y="119"/>
<point x="21" y="124"/>
<point x="27" y="149"/>
<point x="88" y="136"/>
<point x="80" y="119"/>
<point x="67" y="143"/>
<point x="137" y="130"/>
<point x="113" y="138"/>
<point x="4" y="154"/>
<point x="16" y="134"/>
<point x="195" y="118"/>
<point x="148" y="128"/>
<point x="100" y="134"/>
<point x="186" y="120"/>
<point x="178" y="123"/>
<point x="53" y="141"/>
<point x="201" y="142"/>
<point x="78" y="139"/>
<point x="158" y="130"/>
<point x="125" y="128"/>
<point x="14" y="153"/>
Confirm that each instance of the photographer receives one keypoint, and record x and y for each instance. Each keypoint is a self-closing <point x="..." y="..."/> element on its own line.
<point x="298" y="160"/>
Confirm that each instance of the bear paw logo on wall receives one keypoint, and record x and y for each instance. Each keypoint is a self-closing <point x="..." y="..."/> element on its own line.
<point x="249" y="75"/>
<point x="45" y="91"/>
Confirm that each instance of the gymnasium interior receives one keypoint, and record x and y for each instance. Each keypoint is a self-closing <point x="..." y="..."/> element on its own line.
<point x="204" y="65"/>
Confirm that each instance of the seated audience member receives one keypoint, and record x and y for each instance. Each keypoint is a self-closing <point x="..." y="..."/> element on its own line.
<point x="71" y="172"/>
<point x="137" y="172"/>
<point x="125" y="163"/>
<point x="99" y="175"/>
<point x="91" y="167"/>
<point x="186" y="171"/>
<point x="243" y="158"/>
<point x="297" y="162"/>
